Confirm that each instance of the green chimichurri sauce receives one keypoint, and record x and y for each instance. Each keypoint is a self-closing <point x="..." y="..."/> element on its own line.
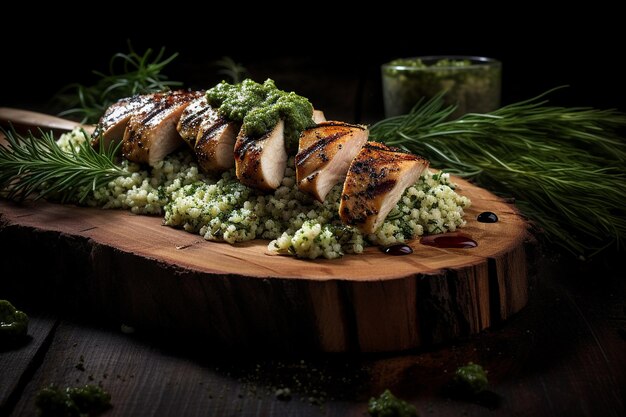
<point x="388" y="405"/>
<point x="471" y="378"/>
<point x="258" y="107"/>
<point x="419" y="63"/>
<point x="13" y="323"/>
<point x="470" y="83"/>
<point x="89" y="400"/>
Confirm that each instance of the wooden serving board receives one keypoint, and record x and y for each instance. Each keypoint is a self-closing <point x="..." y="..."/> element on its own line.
<point x="131" y="269"/>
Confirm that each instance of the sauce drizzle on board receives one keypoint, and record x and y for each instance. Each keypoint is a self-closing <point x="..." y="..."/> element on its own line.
<point x="398" y="249"/>
<point x="487" y="217"/>
<point x="449" y="240"/>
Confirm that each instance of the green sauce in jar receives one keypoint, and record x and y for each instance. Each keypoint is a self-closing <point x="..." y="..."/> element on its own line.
<point x="471" y="83"/>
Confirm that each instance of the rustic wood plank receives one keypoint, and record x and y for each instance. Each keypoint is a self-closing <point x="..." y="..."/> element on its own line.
<point x="386" y="316"/>
<point x="333" y="334"/>
<point x="132" y="269"/>
<point x="18" y="362"/>
<point x="144" y="380"/>
<point x="24" y="120"/>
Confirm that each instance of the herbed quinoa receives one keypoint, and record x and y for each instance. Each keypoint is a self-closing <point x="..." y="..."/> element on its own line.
<point x="225" y="210"/>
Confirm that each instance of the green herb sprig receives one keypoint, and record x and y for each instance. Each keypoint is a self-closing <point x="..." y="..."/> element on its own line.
<point x="38" y="166"/>
<point x="565" y="167"/>
<point x="129" y="74"/>
<point x="228" y="67"/>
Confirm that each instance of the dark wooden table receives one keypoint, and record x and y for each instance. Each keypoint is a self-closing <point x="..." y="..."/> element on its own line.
<point x="564" y="354"/>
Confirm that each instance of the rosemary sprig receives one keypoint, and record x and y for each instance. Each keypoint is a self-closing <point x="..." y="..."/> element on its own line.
<point x="129" y="74"/>
<point x="564" y="166"/>
<point x="231" y="69"/>
<point x="38" y="166"/>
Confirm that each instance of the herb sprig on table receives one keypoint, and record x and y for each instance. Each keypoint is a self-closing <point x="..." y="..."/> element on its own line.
<point x="565" y="167"/>
<point x="129" y="74"/>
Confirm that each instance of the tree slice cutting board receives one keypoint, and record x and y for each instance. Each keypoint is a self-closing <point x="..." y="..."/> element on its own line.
<point x="131" y="269"/>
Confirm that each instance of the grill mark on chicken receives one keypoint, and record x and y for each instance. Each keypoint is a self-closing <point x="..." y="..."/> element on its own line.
<point x="151" y="114"/>
<point x="301" y="157"/>
<point x="112" y="124"/>
<point x="324" y="156"/>
<point x="312" y="176"/>
<point x="211" y="130"/>
<point x="375" y="182"/>
<point x="210" y="135"/>
<point x="215" y="146"/>
<point x="247" y="144"/>
<point x="382" y="187"/>
<point x="192" y="119"/>
<point x="260" y="161"/>
<point x="145" y="118"/>
<point x="151" y="132"/>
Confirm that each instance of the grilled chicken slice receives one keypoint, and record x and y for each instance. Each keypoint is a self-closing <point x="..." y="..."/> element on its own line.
<point x="324" y="155"/>
<point x="215" y="146"/>
<point x="210" y="135"/>
<point x="375" y="182"/>
<point x="151" y="132"/>
<point x="318" y="116"/>
<point x="113" y="123"/>
<point x="260" y="161"/>
<point x="191" y="119"/>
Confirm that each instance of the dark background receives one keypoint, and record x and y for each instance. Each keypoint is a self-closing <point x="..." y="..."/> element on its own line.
<point x="331" y="56"/>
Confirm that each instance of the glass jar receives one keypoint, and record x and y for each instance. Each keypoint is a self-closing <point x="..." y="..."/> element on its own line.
<point x="471" y="83"/>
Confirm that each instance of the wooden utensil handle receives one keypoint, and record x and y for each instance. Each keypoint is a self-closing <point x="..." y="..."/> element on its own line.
<point x="26" y="119"/>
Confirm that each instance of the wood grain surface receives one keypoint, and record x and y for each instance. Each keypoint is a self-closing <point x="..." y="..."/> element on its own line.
<point x="135" y="270"/>
<point x="563" y="355"/>
<point x="19" y="361"/>
<point x="24" y="120"/>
